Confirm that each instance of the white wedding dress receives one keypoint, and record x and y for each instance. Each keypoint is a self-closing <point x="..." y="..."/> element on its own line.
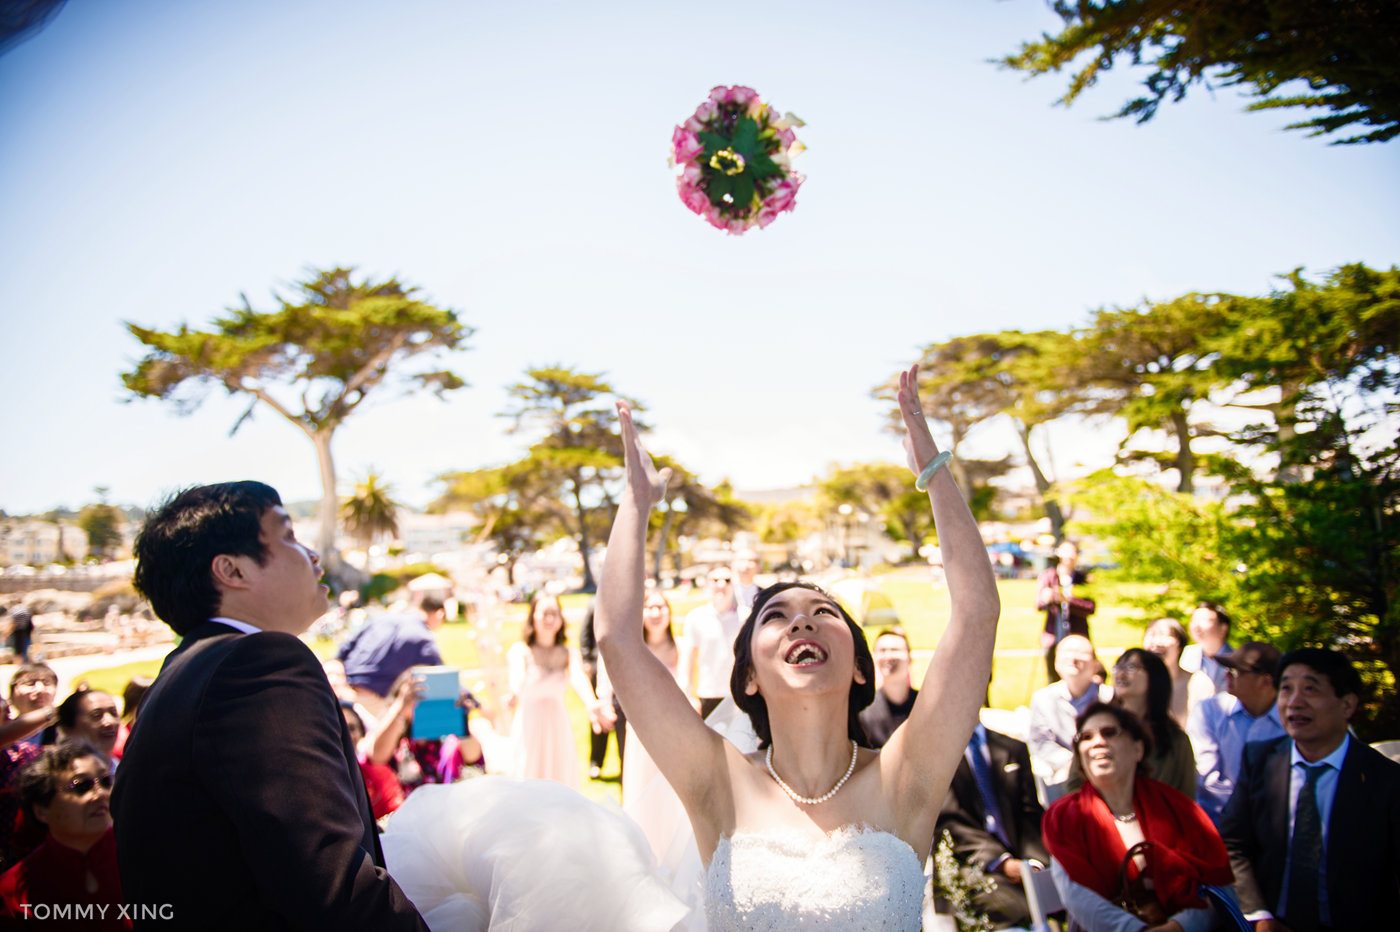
<point x="495" y="854"/>
<point x="854" y="878"/>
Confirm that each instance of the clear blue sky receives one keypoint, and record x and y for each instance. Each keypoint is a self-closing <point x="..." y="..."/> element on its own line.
<point x="158" y="157"/>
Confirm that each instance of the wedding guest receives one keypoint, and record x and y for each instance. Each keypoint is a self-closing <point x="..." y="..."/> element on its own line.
<point x="67" y="789"/>
<point x="745" y="568"/>
<point x="894" y="700"/>
<point x="1166" y="638"/>
<point x="542" y="666"/>
<point x="1313" y="826"/>
<point x="1066" y="609"/>
<point x="33" y="689"/>
<point x="91" y="715"/>
<point x="376" y="654"/>
<point x="131" y="701"/>
<point x="1055" y="707"/>
<point x="1142" y="685"/>
<point x="707" y="642"/>
<point x="598" y="739"/>
<point x="21" y="632"/>
<point x="1223" y="725"/>
<point x="994" y="818"/>
<point x="1210" y="629"/>
<point x="1093" y="836"/>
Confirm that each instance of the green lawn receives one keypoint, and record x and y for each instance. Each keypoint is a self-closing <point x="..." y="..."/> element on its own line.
<point x="922" y="608"/>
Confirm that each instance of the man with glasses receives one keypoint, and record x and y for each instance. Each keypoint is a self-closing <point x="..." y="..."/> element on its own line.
<point x="1223" y="724"/>
<point x="707" y="642"/>
<point x="67" y="789"/>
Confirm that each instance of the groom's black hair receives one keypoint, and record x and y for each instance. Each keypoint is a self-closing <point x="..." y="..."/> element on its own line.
<point x="861" y="695"/>
<point x="175" y="550"/>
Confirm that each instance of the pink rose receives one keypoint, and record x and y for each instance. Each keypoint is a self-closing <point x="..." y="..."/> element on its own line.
<point x="706" y="112"/>
<point x="719" y="95"/>
<point x="741" y="95"/>
<point x="786" y="137"/>
<point x="767" y="215"/>
<point x="783" y="196"/>
<point x="714" y="217"/>
<point x="692" y="197"/>
<point x="737" y="227"/>
<point x="686" y="144"/>
<point x="693" y="125"/>
<point x="691" y="172"/>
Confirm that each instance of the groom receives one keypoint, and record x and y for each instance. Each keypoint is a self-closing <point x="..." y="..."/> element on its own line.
<point x="239" y="803"/>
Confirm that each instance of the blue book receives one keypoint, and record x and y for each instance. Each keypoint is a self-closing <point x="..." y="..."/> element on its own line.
<point x="439" y="711"/>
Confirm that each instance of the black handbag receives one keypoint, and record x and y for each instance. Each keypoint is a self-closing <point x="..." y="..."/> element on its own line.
<point x="1133" y="895"/>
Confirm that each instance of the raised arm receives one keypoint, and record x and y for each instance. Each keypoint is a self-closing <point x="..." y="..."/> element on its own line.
<point x="918" y="762"/>
<point x="690" y="755"/>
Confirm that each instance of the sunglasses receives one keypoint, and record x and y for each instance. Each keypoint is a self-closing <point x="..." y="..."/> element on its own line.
<point x="1107" y="732"/>
<point x="83" y="785"/>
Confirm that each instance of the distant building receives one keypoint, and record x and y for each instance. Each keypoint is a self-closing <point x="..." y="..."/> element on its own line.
<point x="33" y="542"/>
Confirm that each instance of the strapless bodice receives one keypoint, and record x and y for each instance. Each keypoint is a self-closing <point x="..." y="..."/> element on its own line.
<point x="854" y="878"/>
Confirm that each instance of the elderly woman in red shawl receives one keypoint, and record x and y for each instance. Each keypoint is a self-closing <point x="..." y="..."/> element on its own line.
<point x="1090" y="834"/>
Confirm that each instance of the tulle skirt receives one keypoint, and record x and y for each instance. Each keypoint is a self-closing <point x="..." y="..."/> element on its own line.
<point x="505" y="855"/>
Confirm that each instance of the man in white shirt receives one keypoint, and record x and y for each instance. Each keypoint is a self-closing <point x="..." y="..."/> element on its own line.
<point x="745" y="586"/>
<point x="1223" y="724"/>
<point x="1210" y="629"/>
<point x="1313" y="827"/>
<point x="1054" y="708"/>
<point x="707" y="642"/>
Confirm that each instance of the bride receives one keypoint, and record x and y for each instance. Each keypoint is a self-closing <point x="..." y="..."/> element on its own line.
<point x="811" y="830"/>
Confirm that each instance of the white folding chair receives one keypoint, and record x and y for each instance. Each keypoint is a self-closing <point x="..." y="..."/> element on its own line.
<point x="1390" y="749"/>
<point x="1041" y="895"/>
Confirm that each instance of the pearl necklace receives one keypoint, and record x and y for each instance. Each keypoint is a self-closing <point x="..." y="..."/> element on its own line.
<point x="812" y="800"/>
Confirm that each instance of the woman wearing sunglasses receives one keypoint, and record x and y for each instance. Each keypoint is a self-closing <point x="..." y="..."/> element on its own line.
<point x="1129" y="852"/>
<point x="67" y="788"/>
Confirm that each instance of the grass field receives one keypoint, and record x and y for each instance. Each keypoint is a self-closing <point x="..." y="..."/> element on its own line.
<point x="921" y="606"/>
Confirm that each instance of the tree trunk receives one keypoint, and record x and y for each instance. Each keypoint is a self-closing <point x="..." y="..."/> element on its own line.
<point x="1185" y="458"/>
<point x="1042" y="485"/>
<point x="1286" y="420"/>
<point x="661" y="544"/>
<point x="325" y="536"/>
<point x="576" y="483"/>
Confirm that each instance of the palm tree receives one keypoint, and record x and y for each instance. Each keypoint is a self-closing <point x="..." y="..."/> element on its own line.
<point x="371" y="511"/>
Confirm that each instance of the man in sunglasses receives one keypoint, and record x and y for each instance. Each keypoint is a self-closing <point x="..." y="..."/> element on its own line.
<point x="67" y="789"/>
<point x="707" y="642"/>
<point x="239" y="803"/>
<point x="1221" y="725"/>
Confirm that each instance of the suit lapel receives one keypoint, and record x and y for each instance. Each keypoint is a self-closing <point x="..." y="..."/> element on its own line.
<point x="1276" y="787"/>
<point x="1348" y="809"/>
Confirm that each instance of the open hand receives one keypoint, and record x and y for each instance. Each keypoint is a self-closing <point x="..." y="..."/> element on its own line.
<point x="643" y="479"/>
<point x="918" y="439"/>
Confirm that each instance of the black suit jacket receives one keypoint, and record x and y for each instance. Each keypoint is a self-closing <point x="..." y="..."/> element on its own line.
<point x="1363" y="834"/>
<point x="964" y="815"/>
<point x="239" y="802"/>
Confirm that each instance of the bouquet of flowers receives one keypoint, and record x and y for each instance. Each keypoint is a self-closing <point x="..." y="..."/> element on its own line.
<point x="735" y="158"/>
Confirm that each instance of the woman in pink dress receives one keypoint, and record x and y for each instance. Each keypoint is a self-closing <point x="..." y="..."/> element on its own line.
<point x="541" y="667"/>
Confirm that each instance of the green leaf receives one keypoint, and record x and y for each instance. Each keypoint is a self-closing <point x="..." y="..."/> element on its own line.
<point x="745" y="140"/>
<point x="720" y="185"/>
<point x="743" y="190"/>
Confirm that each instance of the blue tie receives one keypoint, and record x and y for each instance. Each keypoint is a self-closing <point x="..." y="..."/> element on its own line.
<point x="1305" y="856"/>
<point x="982" y="773"/>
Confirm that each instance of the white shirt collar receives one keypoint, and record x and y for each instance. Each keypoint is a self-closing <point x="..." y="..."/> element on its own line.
<point x="238" y="625"/>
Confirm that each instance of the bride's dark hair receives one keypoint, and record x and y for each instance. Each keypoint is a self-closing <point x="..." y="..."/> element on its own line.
<point x="862" y="694"/>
